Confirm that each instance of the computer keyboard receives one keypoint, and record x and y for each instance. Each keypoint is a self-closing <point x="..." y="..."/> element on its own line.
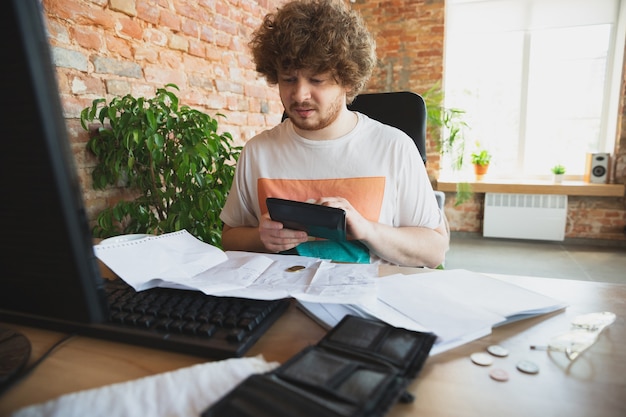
<point x="187" y="321"/>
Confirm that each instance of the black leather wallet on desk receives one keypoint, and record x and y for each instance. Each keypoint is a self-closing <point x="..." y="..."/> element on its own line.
<point x="359" y="369"/>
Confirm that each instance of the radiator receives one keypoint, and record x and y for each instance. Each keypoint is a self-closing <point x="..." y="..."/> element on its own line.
<point x="525" y="216"/>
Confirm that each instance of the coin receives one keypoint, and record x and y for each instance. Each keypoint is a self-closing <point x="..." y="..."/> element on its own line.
<point x="497" y="350"/>
<point x="295" y="268"/>
<point x="480" y="358"/>
<point x="499" y="374"/>
<point x="528" y="367"/>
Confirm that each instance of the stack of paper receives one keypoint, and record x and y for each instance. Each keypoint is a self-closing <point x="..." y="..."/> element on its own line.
<point x="457" y="305"/>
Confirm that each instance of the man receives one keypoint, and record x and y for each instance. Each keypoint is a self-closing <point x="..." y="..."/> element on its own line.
<point x="321" y="55"/>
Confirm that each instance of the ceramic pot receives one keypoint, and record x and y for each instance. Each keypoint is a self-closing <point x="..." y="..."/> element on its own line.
<point x="480" y="171"/>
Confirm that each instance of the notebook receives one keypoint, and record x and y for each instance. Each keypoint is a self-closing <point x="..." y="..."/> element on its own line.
<point x="50" y="276"/>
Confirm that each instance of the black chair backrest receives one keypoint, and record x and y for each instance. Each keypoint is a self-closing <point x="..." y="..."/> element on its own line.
<point x="401" y="109"/>
<point x="404" y="110"/>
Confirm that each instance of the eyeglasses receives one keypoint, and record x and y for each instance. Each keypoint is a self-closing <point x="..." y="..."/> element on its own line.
<point x="583" y="334"/>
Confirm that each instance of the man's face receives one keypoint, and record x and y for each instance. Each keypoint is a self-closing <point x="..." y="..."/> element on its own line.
<point x="312" y="101"/>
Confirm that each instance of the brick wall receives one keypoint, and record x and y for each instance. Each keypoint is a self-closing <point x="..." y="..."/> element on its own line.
<point x="106" y="48"/>
<point x="409" y="44"/>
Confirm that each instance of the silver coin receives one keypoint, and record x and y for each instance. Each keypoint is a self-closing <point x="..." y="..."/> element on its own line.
<point x="497" y="350"/>
<point x="481" y="358"/>
<point x="528" y="367"/>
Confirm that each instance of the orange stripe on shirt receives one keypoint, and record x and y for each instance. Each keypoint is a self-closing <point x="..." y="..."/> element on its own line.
<point x="364" y="194"/>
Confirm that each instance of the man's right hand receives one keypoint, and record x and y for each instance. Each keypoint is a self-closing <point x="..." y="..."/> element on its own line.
<point x="276" y="238"/>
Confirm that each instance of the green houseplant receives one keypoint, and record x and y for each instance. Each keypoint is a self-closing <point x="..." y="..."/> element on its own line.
<point x="558" y="170"/>
<point x="170" y="156"/>
<point x="448" y="127"/>
<point x="481" y="158"/>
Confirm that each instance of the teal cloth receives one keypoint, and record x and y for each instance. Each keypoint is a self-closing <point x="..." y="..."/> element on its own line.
<point x="351" y="251"/>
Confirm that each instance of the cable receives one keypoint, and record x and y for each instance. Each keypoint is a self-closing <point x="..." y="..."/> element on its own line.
<point x="35" y="364"/>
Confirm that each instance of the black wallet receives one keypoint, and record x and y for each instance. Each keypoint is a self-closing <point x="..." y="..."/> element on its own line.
<point x="359" y="369"/>
<point x="315" y="219"/>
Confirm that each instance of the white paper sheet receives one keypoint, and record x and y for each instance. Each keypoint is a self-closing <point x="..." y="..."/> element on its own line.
<point x="457" y="305"/>
<point x="169" y="257"/>
<point x="179" y="260"/>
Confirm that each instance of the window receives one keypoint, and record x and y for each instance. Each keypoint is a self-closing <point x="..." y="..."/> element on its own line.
<point x="539" y="80"/>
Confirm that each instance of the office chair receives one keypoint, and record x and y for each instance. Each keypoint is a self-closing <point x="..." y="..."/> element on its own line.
<point x="404" y="110"/>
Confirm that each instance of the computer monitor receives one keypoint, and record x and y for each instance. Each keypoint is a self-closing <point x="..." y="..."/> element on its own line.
<point x="49" y="273"/>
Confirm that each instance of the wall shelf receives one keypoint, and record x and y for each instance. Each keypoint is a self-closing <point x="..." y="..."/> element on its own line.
<point x="574" y="188"/>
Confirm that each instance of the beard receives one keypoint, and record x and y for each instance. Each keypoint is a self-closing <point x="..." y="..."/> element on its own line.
<point x="318" y="120"/>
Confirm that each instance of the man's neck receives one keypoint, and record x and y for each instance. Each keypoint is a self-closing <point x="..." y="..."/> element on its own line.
<point x="346" y="121"/>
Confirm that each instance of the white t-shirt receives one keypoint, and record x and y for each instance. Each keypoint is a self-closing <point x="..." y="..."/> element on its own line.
<point x="376" y="167"/>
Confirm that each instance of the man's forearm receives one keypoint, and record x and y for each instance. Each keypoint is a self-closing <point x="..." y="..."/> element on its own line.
<point x="410" y="246"/>
<point x="242" y="239"/>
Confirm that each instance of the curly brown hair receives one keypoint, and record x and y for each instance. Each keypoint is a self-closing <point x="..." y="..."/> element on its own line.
<point x="318" y="35"/>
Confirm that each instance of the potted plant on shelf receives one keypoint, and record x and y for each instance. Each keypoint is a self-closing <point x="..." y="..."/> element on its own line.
<point x="171" y="157"/>
<point x="559" y="171"/>
<point x="481" y="158"/>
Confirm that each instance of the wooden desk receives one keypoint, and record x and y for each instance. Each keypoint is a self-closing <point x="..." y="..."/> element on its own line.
<point x="449" y="384"/>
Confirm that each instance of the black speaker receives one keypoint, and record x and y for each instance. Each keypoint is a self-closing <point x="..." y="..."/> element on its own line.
<point x="597" y="168"/>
